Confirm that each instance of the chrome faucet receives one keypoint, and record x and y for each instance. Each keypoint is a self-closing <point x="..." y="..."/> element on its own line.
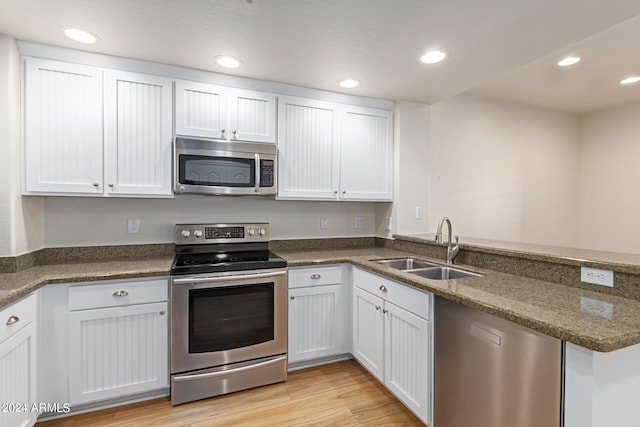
<point x="452" y="252"/>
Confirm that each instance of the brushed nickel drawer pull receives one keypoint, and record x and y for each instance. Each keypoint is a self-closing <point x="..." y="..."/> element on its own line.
<point x="383" y="288"/>
<point x="292" y="297"/>
<point x="120" y="293"/>
<point x="385" y="311"/>
<point x="162" y="312"/>
<point x="13" y="320"/>
<point x="315" y="276"/>
<point x="378" y="307"/>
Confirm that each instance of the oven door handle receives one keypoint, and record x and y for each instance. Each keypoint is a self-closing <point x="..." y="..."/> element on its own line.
<point x="228" y="278"/>
<point x="228" y="371"/>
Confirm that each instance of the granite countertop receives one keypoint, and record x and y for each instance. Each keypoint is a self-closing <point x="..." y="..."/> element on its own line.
<point x="586" y="318"/>
<point x="16" y="285"/>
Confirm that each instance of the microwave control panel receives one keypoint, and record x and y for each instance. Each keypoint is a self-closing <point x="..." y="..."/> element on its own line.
<point x="266" y="173"/>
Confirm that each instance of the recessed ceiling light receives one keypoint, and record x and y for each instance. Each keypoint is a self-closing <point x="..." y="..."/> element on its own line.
<point x="349" y="83"/>
<point x="433" y="57"/>
<point x="228" y="61"/>
<point x="630" y="80"/>
<point x="569" y="60"/>
<point x="79" y="35"/>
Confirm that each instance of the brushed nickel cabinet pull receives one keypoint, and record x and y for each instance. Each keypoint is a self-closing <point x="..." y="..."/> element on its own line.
<point x="12" y="320"/>
<point x="315" y="276"/>
<point x="383" y="288"/>
<point x="292" y="297"/>
<point x="120" y="293"/>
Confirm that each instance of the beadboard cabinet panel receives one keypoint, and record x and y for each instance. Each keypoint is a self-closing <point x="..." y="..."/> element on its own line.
<point x="220" y="112"/>
<point x="63" y="128"/>
<point x="366" y="154"/>
<point x="252" y="115"/>
<point x="368" y="332"/>
<point x="117" y="351"/>
<point x="138" y="112"/>
<point x="18" y="366"/>
<point x="201" y="109"/>
<point x="308" y="152"/>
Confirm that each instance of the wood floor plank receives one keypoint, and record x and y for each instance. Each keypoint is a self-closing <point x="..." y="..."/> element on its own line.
<point x="339" y="394"/>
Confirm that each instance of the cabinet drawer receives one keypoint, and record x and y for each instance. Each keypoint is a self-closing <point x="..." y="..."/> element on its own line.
<point x="114" y="294"/>
<point x="315" y="276"/>
<point x="17" y="315"/>
<point x="413" y="300"/>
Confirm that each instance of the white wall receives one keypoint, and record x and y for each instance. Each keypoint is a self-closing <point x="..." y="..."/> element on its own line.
<point x="411" y="176"/>
<point x="610" y="180"/>
<point x="76" y="221"/>
<point x="21" y="218"/>
<point x="504" y="171"/>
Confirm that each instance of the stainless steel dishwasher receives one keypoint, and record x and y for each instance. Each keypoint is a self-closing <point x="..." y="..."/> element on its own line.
<point x="490" y="372"/>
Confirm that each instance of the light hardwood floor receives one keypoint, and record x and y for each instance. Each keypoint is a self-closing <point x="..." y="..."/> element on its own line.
<point x="338" y="394"/>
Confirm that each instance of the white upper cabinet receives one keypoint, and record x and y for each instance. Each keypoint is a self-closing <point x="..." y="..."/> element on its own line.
<point x="137" y="134"/>
<point x="330" y="151"/>
<point x="308" y="149"/>
<point x="210" y="111"/>
<point x="63" y="128"/>
<point x="95" y="132"/>
<point x="366" y="154"/>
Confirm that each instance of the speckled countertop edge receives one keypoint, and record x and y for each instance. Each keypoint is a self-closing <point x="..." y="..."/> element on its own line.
<point x="553" y="309"/>
<point x="14" y="286"/>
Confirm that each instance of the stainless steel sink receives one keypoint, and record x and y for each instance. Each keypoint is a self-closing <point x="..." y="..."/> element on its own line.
<point x="405" y="263"/>
<point x="444" y="273"/>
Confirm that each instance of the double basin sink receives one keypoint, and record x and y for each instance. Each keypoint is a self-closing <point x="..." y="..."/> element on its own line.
<point x="426" y="269"/>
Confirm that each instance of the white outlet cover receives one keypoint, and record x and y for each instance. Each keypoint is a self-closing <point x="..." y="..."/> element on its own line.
<point x="133" y="225"/>
<point x="596" y="276"/>
<point x="324" y="223"/>
<point x="359" y="222"/>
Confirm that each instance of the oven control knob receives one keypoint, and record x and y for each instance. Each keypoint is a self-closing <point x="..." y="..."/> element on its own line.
<point x="262" y="232"/>
<point x="197" y="233"/>
<point x="251" y="232"/>
<point x="186" y="233"/>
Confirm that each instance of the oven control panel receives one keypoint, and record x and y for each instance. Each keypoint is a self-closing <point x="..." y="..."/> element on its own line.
<point x="189" y="234"/>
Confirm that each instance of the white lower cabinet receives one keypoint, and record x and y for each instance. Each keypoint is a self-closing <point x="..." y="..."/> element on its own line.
<point x="392" y="338"/>
<point x="319" y="321"/>
<point x="18" y="397"/>
<point x="118" y="339"/>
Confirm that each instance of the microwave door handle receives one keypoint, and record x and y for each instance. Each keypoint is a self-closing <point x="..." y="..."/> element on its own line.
<point x="257" y="172"/>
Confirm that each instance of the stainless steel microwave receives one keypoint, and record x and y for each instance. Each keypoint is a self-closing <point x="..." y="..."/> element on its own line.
<point x="208" y="166"/>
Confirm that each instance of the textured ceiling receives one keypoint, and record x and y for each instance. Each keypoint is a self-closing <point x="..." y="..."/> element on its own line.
<point x="498" y="47"/>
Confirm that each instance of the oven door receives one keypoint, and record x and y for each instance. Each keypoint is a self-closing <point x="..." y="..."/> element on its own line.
<point x="218" y="320"/>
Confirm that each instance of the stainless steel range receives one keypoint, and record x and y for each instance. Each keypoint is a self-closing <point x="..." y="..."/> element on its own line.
<point x="228" y="311"/>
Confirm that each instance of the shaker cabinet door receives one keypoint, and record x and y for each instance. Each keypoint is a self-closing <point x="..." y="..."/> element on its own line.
<point x="63" y="128"/>
<point x="137" y="134"/>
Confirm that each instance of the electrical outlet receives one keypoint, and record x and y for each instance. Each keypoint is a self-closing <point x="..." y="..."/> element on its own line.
<point x="596" y="276"/>
<point x="133" y="225"/>
<point x="359" y="222"/>
<point x="387" y="223"/>
<point x="324" y="224"/>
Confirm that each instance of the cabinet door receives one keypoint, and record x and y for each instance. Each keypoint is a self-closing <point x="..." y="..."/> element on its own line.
<point x="117" y="351"/>
<point x="368" y="330"/>
<point x="63" y="128"/>
<point x="366" y="154"/>
<point x="308" y="150"/>
<point x="137" y="134"/>
<point x="18" y="378"/>
<point x="407" y="359"/>
<point x="252" y="116"/>
<point x="201" y="109"/>
<point x="316" y="322"/>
